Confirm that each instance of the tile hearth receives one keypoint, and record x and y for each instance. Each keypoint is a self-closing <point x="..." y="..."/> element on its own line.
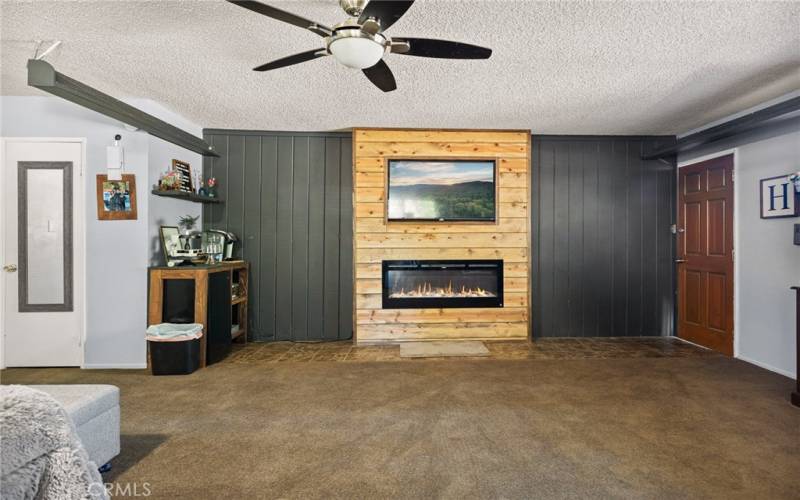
<point x="543" y="349"/>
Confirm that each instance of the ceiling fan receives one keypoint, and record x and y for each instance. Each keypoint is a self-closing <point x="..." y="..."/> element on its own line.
<point x="360" y="42"/>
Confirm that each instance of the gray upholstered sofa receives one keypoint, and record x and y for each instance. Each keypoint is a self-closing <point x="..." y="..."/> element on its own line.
<point x="94" y="409"/>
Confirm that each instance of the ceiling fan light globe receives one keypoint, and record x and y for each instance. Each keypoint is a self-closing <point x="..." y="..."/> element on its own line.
<point x="355" y="52"/>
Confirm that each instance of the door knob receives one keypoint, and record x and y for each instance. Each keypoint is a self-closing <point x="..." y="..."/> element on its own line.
<point x="10" y="268"/>
<point x="680" y="261"/>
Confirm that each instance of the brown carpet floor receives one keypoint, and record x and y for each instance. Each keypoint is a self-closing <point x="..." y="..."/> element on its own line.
<point x="640" y="427"/>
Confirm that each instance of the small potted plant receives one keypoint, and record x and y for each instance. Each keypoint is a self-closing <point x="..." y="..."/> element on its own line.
<point x="187" y="223"/>
<point x="212" y="187"/>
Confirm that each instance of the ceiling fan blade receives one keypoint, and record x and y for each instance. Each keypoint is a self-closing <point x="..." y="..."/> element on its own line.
<point x="282" y="15"/>
<point x="442" y="49"/>
<point x="293" y="59"/>
<point x="381" y="76"/>
<point x="387" y="11"/>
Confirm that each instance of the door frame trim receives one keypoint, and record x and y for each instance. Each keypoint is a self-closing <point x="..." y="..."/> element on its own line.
<point x="79" y="215"/>
<point x="694" y="161"/>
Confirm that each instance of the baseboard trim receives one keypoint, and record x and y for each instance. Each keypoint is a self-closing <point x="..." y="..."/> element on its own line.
<point x="113" y="366"/>
<point x="688" y="342"/>
<point x="785" y="373"/>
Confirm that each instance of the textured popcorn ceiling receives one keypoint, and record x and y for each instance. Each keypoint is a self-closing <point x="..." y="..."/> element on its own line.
<point x="558" y="67"/>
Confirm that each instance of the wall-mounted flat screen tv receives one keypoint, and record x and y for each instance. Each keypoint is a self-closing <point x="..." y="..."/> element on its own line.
<point x="442" y="190"/>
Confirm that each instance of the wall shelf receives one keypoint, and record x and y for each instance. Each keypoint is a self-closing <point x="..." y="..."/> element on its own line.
<point x="186" y="196"/>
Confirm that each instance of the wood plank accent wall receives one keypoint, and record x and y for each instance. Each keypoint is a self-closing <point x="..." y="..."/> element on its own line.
<point x="377" y="240"/>
<point x="288" y="198"/>
<point x="603" y="249"/>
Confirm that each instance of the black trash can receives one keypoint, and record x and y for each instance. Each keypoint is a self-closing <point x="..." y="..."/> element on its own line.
<point x="177" y="357"/>
<point x="174" y="348"/>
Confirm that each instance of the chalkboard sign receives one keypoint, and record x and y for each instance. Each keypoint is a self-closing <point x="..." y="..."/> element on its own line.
<point x="185" y="170"/>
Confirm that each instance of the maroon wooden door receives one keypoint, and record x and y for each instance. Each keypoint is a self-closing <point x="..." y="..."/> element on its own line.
<point x="705" y="254"/>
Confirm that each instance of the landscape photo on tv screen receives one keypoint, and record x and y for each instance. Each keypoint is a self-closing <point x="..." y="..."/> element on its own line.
<point x="442" y="190"/>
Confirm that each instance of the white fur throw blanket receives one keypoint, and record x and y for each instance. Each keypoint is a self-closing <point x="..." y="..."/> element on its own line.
<point x="41" y="456"/>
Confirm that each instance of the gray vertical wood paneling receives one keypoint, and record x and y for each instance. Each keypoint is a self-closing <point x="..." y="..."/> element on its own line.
<point x="619" y="225"/>
<point x="560" y="220"/>
<point x="574" y="237"/>
<point x="602" y="249"/>
<point x="299" y="287"/>
<point x="288" y="196"/>
<point x="604" y="272"/>
<point x="635" y="234"/>
<point x="284" y="235"/>
<point x="543" y="236"/>
<point x="332" y="230"/>
<point x="316" y="237"/>
<point x="650" y="218"/>
<point x="589" y="291"/>
<point x="251" y="236"/>
<point x="264" y="310"/>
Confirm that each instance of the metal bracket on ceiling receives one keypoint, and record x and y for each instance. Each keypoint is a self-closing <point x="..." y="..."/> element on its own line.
<point x="53" y="46"/>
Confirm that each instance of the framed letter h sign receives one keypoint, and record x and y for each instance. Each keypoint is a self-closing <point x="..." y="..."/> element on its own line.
<point x="778" y="198"/>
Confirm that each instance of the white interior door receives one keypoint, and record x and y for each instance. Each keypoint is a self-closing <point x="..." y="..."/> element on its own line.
<point x="43" y="252"/>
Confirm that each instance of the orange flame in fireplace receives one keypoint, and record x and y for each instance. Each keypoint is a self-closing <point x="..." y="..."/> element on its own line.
<point x="426" y="290"/>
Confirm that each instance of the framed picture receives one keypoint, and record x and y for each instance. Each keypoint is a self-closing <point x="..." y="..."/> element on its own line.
<point x="185" y="171"/>
<point x="170" y="241"/>
<point x="778" y="198"/>
<point x="116" y="200"/>
<point x="441" y="190"/>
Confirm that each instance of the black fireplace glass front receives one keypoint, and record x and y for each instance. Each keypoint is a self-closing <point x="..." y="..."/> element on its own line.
<point x="420" y="284"/>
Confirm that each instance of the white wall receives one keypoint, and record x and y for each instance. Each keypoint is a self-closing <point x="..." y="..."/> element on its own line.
<point x="117" y="252"/>
<point x="767" y="262"/>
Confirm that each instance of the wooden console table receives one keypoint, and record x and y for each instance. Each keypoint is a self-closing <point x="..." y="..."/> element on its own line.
<point x="796" y="393"/>
<point x="202" y="294"/>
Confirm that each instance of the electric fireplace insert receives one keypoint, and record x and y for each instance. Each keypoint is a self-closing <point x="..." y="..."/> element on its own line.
<point x="421" y="284"/>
